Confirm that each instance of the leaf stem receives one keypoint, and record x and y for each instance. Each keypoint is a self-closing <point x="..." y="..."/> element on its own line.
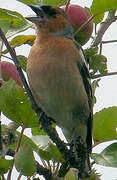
<point x="18" y="146"/>
<point x="20" y="138"/>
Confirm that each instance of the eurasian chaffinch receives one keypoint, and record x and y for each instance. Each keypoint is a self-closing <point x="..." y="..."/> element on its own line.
<point x="59" y="77"/>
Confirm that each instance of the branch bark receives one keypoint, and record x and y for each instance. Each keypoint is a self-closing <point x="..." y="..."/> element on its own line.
<point x="104" y="26"/>
<point x="103" y="75"/>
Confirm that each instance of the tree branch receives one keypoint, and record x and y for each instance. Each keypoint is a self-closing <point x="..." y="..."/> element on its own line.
<point x="102" y="75"/>
<point x="67" y="4"/>
<point x="83" y="25"/>
<point x="104" y="26"/>
<point x="110" y="41"/>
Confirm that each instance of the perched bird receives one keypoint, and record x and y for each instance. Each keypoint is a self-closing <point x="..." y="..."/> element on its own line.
<point x="59" y="77"/>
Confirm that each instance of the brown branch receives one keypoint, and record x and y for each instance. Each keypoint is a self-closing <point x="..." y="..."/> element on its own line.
<point x="20" y="138"/>
<point x="83" y="25"/>
<point x="67" y="4"/>
<point x="104" y="26"/>
<point x="103" y="75"/>
<point x="18" y="146"/>
<point x="110" y="41"/>
<point x="7" y="57"/>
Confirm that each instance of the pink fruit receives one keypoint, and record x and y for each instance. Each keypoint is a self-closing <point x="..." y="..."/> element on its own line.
<point x="79" y="16"/>
<point x="9" y="71"/>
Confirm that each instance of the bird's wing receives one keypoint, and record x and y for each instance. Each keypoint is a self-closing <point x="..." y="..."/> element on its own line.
<point x="83" y="68"/>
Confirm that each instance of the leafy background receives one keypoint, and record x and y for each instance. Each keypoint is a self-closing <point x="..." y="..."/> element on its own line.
<point x="106" y="94"/>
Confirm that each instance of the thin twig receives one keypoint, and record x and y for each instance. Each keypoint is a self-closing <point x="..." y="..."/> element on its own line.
<point x="19" y="177"/>
<point x="7" y="57"/>
<point x="110" y="41"/>
<point x="18" y="146"/>
<point x="9" y="173"/>
<point x="83" y="25"/>
<point x="20" y="138"/>
<point x="100" y="52"/>
<point x="1" y="47"/>
<point x="3" y="178"/>
<point x="67" y="4"/>
<point x="103" y="75"/>
<point x="104" y="26"/>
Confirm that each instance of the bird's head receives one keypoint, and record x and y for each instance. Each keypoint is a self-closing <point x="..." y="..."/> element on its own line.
<point x="51" y="19"/>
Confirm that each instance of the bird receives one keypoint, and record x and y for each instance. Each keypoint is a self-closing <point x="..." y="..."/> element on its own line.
<point x="59" y="78"/>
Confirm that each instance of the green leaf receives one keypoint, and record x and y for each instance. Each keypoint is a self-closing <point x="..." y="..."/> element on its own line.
<point x="108" y="157"/>
<point x="22" y="39"/>
<point x="41" y="141"/>
<point x="55" y="153"/>
<point x="97" y="19"/>
<point x="97" y="63"/>
<point x="90" y="52"/>
<point x="105" y="124"/>
<point x="95" y="84"/>
<point x="100" y="6"/>
<point x="22" y="61"/>
<point x="44" y="154"/>
<point x="12" y="22"/>
<point x="72" y="174"/>
<point x="28" y="1"/>
<point x="16" y="106"/>
<point x="5" y="165"/>
<point x="50" y="152"/>
<point x="53" y="3"/>
<point x="45" y="2"/>
<point x="24" y="161"/>
<point x="37" y="131"/>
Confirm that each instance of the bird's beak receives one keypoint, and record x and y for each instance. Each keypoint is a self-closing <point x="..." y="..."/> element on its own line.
<point x="40" y="15"/>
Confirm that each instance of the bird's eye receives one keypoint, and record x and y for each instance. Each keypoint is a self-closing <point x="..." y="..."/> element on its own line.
<point x="49" y="11"/>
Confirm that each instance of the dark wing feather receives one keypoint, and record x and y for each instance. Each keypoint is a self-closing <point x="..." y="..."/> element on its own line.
<point x="83" y="68"/>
